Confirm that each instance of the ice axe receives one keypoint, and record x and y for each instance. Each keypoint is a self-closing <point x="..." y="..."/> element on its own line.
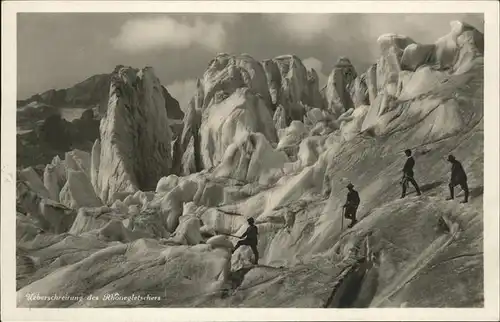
<point x="342" y="219"/>
<point x="228" y="235"/>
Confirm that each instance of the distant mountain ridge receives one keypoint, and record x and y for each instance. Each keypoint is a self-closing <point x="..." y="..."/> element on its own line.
<point x="92" y="91"/>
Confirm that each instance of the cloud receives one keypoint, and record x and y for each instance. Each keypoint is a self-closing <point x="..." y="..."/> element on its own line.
<point x="355" y="35"/>
<point x="182" y="91"/>
<point x="317" y="64"/>
<point x="142" y="34"/>
<point x="229" y="18"/>
<point x="360" y="41"/>
<point x="302" y="27"/>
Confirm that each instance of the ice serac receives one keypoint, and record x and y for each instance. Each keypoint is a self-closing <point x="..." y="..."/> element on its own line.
<point x="171" y="105"/>
<point x="51" y="182"/>
<point x="78" y="160"/>
<point x="292" y="135"/>
<point x="291" y="86"/>
<point x="227" y="73"/>
<point x="188" y="148"/>
<point x="371" y="82"/>
<point x="241" y="113"/>
<point x="391" y="48"/>
<point x="231" y="99"/>
<point x="94" y="165"/>
<point x="188" y="231"/>
<point x="239" y="95"/>
<point x="416" y="55"/>
<point x="249" y="158"/>
<point x="135" y="136"/>
<point x="279" y="118"/>
<point x="34" y="182"/>
<point x="235" y="78"/>
<point x="78" y="191"/>
<point x="384" y="77"/>
<point x="43" y="213"/>
<point x="457" y="49"/>
<point x="314" y="98"/>
<point x="336" y="93"/>
<point x="359" y="91"/>
<point x="413" y="82"/>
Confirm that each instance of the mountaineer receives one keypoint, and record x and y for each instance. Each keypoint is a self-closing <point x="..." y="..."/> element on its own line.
<point x="351" y="204"/>
<point x="458" y="177"/>
<point x="250" y="236"/>
<point x="408" y="174"/>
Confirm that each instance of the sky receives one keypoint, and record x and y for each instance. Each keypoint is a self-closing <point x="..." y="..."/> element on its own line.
<point x="58" y="50"/>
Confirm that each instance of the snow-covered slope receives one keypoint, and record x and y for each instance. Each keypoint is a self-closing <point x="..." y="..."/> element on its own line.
<point x="170" y="240"/>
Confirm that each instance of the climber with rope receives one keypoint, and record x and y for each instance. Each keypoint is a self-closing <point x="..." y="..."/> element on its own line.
<point x="351" y="205"/>
<point x="458" y="178"/>
<point x="250" y="239"/>
<point x="408" y="174"/>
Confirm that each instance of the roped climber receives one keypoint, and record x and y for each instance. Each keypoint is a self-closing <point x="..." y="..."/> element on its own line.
<point x="250" y="239"/>
<point x="458" y="177"/>
<point x="351" y="205"/>
<point x="408" y="174"/>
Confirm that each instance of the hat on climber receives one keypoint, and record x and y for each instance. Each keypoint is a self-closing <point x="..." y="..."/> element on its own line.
<point x="350" y="185"/>
<point x="250" y="221"/>
<point x="451" y="157"/>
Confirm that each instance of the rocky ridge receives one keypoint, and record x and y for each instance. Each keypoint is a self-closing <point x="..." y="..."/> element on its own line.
<point x="53" y="136"/>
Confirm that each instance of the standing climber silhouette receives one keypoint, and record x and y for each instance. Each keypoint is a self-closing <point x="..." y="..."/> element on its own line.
<point x="408" y="174"/>
<point x="351" y="204"/>
<point x="458" y="177"/>
<point x="250" y="236"/>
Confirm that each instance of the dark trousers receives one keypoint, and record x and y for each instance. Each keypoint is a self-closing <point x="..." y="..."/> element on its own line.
<point x="350" y="212"/>
<point x="253" y="246"/>
<point x="409" y="178"/>
<point x="463" y="185"/>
